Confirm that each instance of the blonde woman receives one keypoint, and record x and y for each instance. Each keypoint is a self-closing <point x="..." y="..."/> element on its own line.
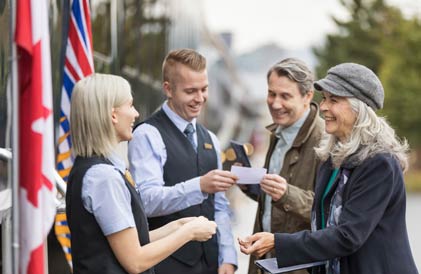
<point x="109" y="230"/>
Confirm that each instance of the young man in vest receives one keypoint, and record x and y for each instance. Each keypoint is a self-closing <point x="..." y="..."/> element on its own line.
<point x="284" y="204"/>
<point x="175" y="163"/>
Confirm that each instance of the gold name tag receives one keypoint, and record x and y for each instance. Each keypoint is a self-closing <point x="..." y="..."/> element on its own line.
<point x="129" y="178"/>
<point x="208" y="146"/>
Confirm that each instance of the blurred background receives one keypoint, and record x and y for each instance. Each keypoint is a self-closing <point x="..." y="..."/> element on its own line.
<point x="241" y="39"/>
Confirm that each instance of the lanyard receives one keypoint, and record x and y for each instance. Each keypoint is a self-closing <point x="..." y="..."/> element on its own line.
<point x="328" y="187"/>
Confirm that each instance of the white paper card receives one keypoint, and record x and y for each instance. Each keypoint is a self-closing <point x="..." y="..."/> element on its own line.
<point x="248" y="175"/>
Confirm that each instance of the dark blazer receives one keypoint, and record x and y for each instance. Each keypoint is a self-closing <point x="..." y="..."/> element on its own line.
<point x="371" y="236"/>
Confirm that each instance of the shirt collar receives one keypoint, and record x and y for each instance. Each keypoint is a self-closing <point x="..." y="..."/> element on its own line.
<point x="288" y="134"/>
<point x="179" y="122"/>
<point x="117" y="161"/>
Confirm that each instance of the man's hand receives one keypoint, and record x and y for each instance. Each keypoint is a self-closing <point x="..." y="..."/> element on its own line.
<point x="217" y="180"/>
<point x="226" y="269"/>
<point x="258" y="244"/>
<point x="274" y="185"/>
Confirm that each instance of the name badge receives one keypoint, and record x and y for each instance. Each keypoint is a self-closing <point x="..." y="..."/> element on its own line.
<point x="129" y="178"/>
<point x="207" y="146"/>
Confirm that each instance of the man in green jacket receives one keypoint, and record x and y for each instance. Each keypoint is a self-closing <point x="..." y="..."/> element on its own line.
<point x="286" y="196"/>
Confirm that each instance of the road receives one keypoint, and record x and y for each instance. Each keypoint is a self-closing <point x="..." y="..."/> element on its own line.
<point x="245" y="209"/>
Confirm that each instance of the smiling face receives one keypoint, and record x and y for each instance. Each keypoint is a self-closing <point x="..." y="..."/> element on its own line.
<point x="339" y="116"/>
<point x="123" y="118"/>
<point x="186" y="91"/>
<point x="285" y="102"/>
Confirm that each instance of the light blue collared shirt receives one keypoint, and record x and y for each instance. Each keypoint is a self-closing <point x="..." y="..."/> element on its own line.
<point x="286" y="137"/>
<point x="147" y="157"/>
<point x="105" y="195"/>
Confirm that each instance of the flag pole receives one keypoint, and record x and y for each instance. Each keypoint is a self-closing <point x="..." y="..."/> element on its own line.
<point x="14" y="142"/>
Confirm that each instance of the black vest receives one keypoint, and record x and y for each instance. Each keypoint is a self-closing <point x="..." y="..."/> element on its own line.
<point x="182" y="164"/>
<point x="90" y="249"/>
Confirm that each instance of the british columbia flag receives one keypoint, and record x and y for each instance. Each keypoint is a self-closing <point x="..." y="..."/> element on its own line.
<point x="78" y="63"/>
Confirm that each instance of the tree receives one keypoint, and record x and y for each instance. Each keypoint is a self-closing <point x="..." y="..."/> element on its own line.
<point x="400" y="74"/>
<point x="381" y="38"/>
<point x="358" y="39"/>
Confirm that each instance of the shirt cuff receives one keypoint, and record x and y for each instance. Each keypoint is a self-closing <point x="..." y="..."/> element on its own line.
<point x="228" y="256"/>
<point x="193" y="186"/>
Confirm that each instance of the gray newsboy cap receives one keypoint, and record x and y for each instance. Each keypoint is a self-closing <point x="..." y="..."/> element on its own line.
<point x="353" y="80"/>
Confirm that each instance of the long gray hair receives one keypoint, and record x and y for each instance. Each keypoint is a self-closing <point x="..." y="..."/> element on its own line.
<point x="371" y="135"/>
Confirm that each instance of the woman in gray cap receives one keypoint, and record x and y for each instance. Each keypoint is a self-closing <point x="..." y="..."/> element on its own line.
<point x="358" y="215"/>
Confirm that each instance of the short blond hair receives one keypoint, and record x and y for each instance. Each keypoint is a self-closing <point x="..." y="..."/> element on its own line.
<point x="93" y="99"/>
<point x="188" y="57"/>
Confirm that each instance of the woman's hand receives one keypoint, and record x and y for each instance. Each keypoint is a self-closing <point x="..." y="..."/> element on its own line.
<point x="258" y="244"/>
<point x="274" y="185"/>
<point x="169" y="228"/>
<point x="201" y="229"/>
<point x="185" y="220"/>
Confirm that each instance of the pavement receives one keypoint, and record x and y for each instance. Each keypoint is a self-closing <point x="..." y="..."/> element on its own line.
<point x="413" y="221"/>
<point x="245" y="211"/>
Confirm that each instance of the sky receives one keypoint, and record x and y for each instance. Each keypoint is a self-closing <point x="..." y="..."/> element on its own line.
<point x="292" y="24"/>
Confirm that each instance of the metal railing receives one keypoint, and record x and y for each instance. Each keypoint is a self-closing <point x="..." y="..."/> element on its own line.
<point x="6" y="155"/>
<point x="6" y="214"/>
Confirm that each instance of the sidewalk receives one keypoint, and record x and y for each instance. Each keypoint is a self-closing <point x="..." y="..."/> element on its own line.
<point x="413" y="221"/>
<point x="244" y="210"/>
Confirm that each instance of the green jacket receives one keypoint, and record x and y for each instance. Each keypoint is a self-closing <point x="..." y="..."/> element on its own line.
<point x="292" y="212"/>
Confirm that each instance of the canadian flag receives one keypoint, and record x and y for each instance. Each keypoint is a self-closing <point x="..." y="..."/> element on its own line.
<point x="36" y="140"/>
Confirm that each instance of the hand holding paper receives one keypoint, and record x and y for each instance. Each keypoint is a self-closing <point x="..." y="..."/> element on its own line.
<point x="274" y="185"/>
<point x="217" y="180"/>
<point x="248" y="175"/>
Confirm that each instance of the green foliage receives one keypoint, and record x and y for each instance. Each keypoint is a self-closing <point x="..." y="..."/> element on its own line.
<point x="400" y="74"/>
<point x="358" y="39"/>
<point x="413" y="181"/>
<point x="379" y="36"/>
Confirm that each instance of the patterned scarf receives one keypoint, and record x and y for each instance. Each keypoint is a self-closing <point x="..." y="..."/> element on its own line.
<point x="335" y="210"/>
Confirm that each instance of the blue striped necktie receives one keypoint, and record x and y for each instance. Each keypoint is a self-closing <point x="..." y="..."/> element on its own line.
<point x="189" y="132"/>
